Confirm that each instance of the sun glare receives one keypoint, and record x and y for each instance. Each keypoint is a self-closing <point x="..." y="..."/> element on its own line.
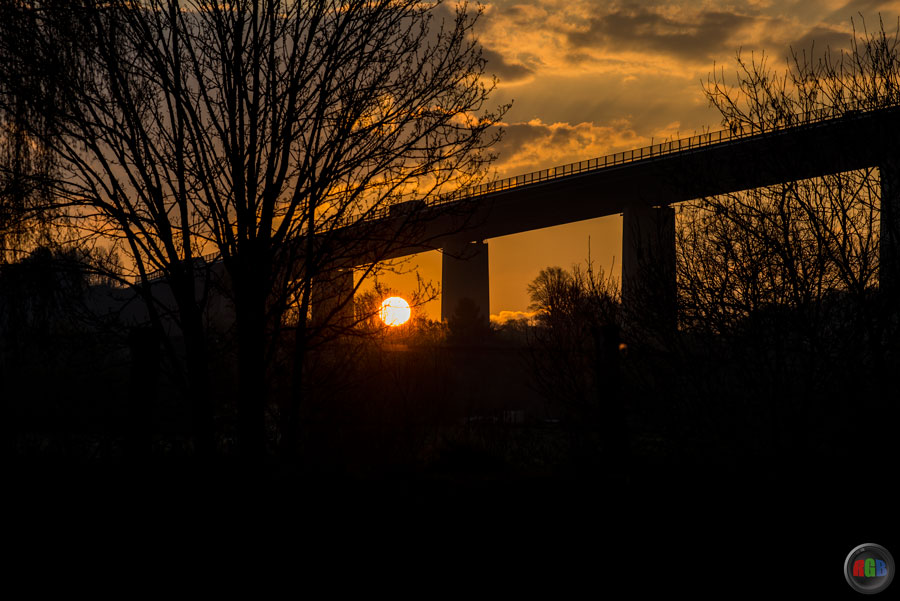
<point x="395" y="311"/>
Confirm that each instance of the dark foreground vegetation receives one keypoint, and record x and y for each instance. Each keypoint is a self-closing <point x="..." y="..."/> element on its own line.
<point x="571" y="423"/>
<point x="520" y="399"/>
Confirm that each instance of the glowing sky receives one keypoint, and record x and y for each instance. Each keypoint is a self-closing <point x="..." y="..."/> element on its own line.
<point x="590" y="77"/>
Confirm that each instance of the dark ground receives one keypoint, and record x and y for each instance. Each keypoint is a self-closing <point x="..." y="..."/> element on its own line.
<point x="397" y="497"/>
<point x="702" y="531"/>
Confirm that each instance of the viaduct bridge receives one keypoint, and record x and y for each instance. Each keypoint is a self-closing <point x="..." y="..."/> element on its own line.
<point x="642" y="185"/>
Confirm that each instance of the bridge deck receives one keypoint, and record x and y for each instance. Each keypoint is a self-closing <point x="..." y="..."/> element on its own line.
<point x="705" y="165"/>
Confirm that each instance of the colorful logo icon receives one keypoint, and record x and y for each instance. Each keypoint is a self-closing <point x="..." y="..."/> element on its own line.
<point x="869" y="568"/>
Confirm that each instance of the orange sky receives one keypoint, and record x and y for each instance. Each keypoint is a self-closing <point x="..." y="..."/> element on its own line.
<point x="590" y="77"/>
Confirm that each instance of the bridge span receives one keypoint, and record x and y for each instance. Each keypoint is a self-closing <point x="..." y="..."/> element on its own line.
<point x="642" y="185"/>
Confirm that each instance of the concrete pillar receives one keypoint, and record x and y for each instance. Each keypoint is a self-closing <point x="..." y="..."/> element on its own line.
<point x="465" y="275"/>
<point x="648" y="268"/>
<point x="889" y="259"/>
<point x="331" y="302"/>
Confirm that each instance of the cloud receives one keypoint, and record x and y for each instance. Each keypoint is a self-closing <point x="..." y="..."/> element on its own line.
<point x="537" y="145"/>
<point x="822" y="38"/>
<point x="567" y="37"/>
<point x="506" y="71"/>
<point x="853" y="8"/>
<point x="590" y="78"/>
<point x="698" y="37"/>
<point x="506" y="316"/>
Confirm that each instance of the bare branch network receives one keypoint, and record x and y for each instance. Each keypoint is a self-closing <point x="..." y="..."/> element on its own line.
<point x="257" y="131"/>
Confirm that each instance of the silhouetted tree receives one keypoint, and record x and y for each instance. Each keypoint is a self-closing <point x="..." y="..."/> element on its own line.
<point x="554" y="293"/>
<point x="45" y="340"/>
<point x="779" y="282"/>
<point x="26" y="199"/>
<point x="796" y="241"/>
<point x="573" y="356"/>
<point x="267" y="133"/>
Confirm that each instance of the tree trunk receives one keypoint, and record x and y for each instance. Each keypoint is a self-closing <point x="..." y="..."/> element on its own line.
<point x="291" y="419"/>
<point x="202" y="413"/>
<point x="250" y="306"/>
<point x="143" y="343"/>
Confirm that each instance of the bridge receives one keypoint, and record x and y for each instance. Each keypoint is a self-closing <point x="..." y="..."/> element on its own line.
<point x="642" y="185"/>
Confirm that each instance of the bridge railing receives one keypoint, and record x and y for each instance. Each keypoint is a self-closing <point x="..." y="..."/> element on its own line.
<point x="159" y="274"/>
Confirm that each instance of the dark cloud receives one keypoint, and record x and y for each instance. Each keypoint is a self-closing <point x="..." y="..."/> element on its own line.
<point x="867" y="8"/>
<point x="508" y="72"/>
<point x="818" y="39"/>
<point x="578" y="58"/>
<point x="699" y="39"/>
<point x="536" y="145"/>
<point x="517" y="135"/>
<point x="562" y="136"/>
<point x="519" y="15"/>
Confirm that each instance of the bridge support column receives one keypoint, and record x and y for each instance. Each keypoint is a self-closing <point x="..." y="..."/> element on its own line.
<point x="465" y="276"/>
<point x="331" y="301"/>
<point x="648" y="270"/>
<point x="889" y="259"/>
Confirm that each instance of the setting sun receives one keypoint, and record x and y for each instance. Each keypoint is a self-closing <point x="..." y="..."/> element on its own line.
<point x="395" y="311"/>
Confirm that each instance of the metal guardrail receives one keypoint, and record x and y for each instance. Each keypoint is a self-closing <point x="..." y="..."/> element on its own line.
<point x="160" y="274"/>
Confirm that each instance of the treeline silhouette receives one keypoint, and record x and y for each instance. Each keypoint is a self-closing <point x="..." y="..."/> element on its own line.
<point x="577" y="390"/>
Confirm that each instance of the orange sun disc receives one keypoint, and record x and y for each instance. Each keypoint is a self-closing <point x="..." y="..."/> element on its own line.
<point x="395" y="311"/>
